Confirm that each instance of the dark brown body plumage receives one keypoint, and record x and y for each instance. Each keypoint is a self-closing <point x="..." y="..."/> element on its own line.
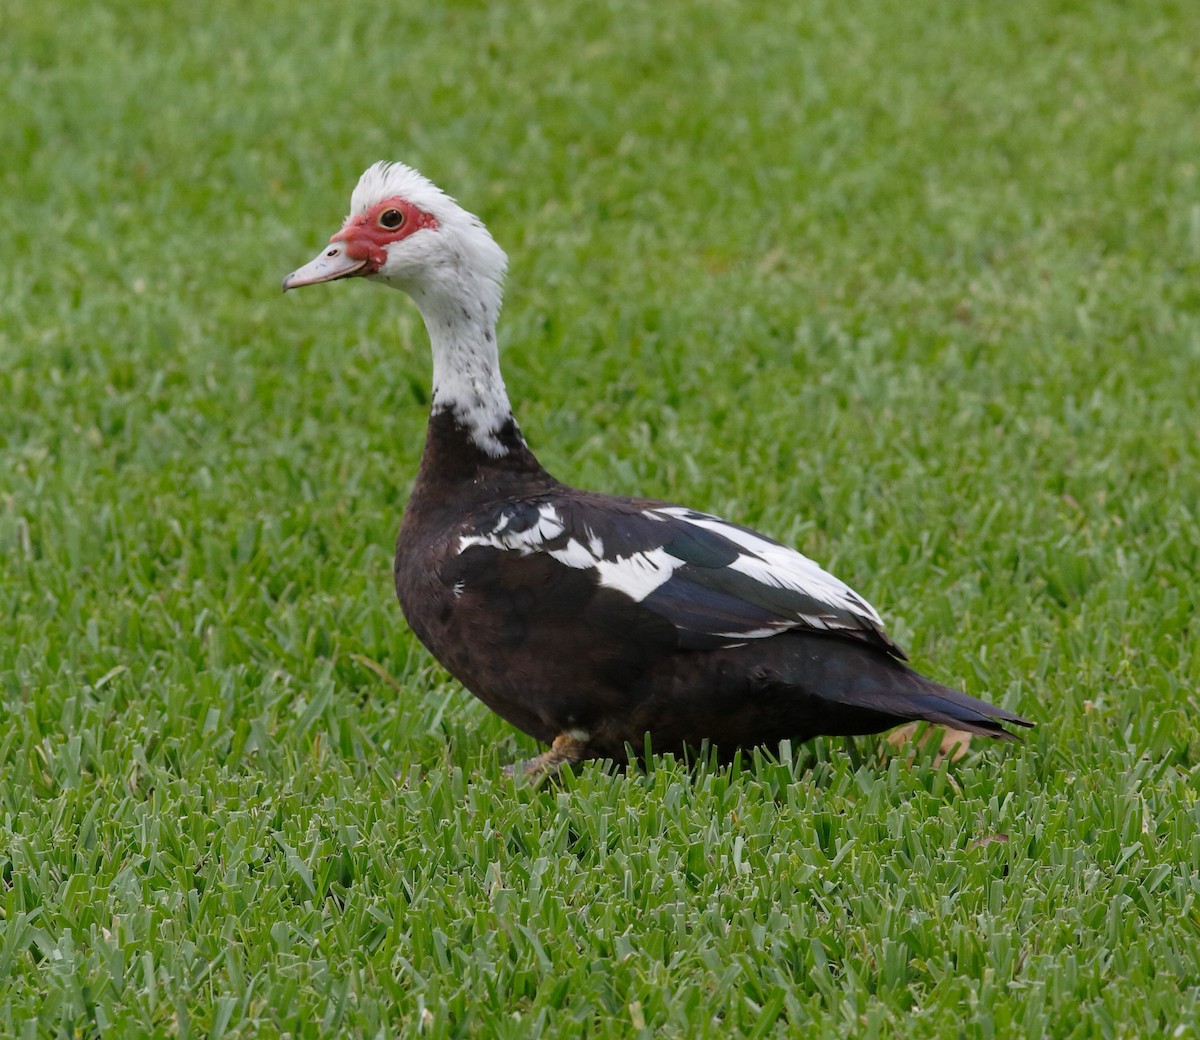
<point x="549" y="650"/>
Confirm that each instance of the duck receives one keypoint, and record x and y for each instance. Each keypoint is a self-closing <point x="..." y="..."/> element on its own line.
<point x="601" y="625"/>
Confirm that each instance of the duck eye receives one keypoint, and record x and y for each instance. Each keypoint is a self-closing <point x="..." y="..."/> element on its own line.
<point x="391" y="219"/>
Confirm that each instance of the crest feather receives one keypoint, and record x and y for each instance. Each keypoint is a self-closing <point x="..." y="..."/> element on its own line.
<point x="385" y="179"/>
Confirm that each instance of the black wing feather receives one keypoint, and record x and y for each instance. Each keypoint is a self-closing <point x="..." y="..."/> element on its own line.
<point x="683" y="566"/>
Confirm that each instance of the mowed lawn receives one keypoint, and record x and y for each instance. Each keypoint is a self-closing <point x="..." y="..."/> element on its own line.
<point x="913" y="286"/>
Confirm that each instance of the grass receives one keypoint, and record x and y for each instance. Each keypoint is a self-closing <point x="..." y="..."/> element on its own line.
<point x="915" y="286"/>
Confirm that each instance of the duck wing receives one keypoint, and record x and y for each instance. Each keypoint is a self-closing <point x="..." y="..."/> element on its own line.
<point x="718" y="584"/>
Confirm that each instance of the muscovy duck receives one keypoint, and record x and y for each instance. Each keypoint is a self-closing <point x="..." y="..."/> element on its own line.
<point x="590" y="620"/>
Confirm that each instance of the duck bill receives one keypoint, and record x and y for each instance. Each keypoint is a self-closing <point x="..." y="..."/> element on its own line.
<point x="329" y="266"/>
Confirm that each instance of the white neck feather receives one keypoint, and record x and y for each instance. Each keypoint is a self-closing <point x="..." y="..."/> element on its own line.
<point x="454" y="272"/>
<point x="466" y="363"/>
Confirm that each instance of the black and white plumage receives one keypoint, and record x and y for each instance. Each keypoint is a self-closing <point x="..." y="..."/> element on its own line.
<point x="591" y="620"/>
<point x="718" y="584"/>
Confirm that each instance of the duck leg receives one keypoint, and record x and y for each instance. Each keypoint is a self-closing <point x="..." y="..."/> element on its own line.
<point x="567" y="748"/>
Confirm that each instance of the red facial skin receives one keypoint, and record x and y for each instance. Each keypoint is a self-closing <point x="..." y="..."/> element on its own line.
<point x="367" y="239"/>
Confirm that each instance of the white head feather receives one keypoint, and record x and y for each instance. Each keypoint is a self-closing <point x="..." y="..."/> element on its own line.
<point x="454" y="272"/>
<point x="459" y="255"/>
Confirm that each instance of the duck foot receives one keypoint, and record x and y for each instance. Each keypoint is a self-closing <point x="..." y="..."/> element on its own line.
<point x="565" y="749"/>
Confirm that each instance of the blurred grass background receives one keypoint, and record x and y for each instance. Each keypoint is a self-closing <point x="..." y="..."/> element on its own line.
<point x="912" y="286"/>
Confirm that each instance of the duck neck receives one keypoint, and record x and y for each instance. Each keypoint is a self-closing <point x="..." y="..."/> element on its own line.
<point x="466" y="367"/>
<point x="471" y="420"/>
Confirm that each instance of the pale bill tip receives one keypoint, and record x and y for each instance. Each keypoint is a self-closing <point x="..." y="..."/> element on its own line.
<point x="328" y="266"/>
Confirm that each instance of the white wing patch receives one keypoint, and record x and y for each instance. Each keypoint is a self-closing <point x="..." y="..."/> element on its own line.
<point x="639" y="574"/>
<point x="636" y="575"/>
<point x="548" y="527"/>
<point x="778" y="565"/>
